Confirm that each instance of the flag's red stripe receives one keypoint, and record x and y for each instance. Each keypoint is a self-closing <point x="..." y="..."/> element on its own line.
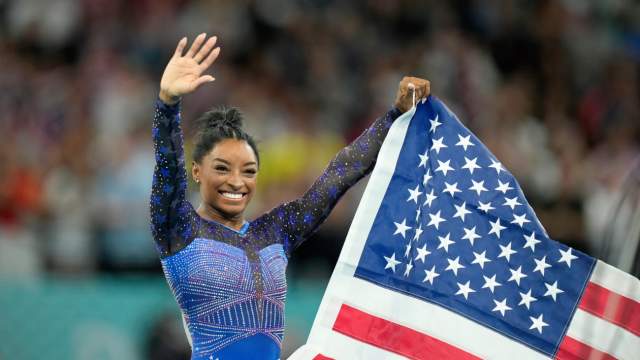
<point x="321" y="357"/>
<point x="612" y="307"/>
<point x="572" y="349"/>
<point x="393" y="337"/>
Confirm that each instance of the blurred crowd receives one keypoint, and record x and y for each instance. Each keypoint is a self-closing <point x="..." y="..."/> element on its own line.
<point x="552" y="87"/>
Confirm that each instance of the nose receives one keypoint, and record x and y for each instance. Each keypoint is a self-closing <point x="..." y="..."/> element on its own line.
<point x="235" y="181"/>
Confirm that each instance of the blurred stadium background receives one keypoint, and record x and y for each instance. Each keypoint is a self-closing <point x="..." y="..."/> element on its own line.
<point x="552" y="87"/>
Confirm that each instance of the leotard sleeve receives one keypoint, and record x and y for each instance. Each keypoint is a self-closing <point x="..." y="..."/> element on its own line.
<point x="173" y="220"/>
<point x="297" y="220"/>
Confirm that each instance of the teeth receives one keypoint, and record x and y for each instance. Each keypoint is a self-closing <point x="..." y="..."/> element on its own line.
<point x="232" y="195"/>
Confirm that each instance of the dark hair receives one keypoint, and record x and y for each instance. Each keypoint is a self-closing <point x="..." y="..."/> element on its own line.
<point x="218" y="124"/>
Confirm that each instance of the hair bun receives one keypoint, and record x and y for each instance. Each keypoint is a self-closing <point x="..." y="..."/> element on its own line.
<point x="221" y="117"/>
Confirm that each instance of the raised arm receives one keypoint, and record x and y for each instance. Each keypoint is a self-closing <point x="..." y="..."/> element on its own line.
<point x="298" y="219"/>
<point x="173" y="223"/>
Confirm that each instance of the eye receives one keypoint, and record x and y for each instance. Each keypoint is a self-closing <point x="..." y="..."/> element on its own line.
<point x="251" y="171"/>
<point x="221" y="168"/>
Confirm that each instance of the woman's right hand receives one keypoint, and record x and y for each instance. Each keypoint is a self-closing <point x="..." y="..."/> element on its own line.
<point x="183" y="73"/>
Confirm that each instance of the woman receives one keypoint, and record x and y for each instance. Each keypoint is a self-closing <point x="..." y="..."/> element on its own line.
<point x="227" y="273"/>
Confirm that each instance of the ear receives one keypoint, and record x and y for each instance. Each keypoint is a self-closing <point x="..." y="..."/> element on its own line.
<point x="195" y="172"/>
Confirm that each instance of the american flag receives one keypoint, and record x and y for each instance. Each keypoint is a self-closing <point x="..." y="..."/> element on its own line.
<point x="445" y="259"/>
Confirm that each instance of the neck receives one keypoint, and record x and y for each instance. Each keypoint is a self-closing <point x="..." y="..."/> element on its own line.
<point x="210" y="213"/>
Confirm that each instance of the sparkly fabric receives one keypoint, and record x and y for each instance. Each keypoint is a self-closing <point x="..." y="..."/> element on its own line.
<point x="230" y="284"/>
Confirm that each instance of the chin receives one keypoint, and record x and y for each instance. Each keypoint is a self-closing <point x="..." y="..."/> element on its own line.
<point x="231" y="211"/>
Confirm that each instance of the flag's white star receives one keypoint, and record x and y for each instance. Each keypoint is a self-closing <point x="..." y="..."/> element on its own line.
<point x="422" y="253"/>
<point x="567" y="256"/>
<point x="501" y="306"/>
<point x="426" y="177"/>
<point x="480" y="259"/>
<point x="519" y="219"/>
<point x="451" y="188"/>
<point x="435" y="219"/>
<point x="464" y="141"/>
<point x="430" y="197"/>
<point x="516" y="275"/>
<point x="461" y="211"/>
<point x="496" y="165"/>
<point x="401" y="228"/>
<point x="537" y="323"/>
<point x="444" y="167"/>
<point x="496" y="228"/>
<point x="541" y="265"/>
<point x="471" y="235"/>
<point x="438" y="144"/>
<point x="511" y="202"/>
<point x="465" y="290"/>
<point x="407" y="249"/>
<point x="418" y="212"/>
<point x="503" y="187"/>
<point x="478" y="187"/>
<point x="434" y="124"/>
<point x="419" y="231"/>
<point x="470" y="164"/>
<point x="407" y="270"/>
<point x="423" y="159"/>
<point x="413" y="194"/>
<point x="454" y="265"/>
<point x="552" y="290"/>
<point x="491" y="283"/>
<point x="430" y="275"/>
<point x="506" y="252"/>
<point x="531" y="242"/>
<point x="445" y="241"/>
<point x="391" y="262"/>
<point x="485" y="207"/>
<point x="526" y="299"/>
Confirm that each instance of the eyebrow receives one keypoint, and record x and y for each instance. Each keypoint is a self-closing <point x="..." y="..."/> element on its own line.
<point x="228" y="163"/>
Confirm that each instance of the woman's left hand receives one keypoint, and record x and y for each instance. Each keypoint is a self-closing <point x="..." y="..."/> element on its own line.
<point x="408" y="84"/>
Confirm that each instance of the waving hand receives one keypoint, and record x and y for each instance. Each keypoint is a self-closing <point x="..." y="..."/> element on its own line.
<point x="184" y="72"/>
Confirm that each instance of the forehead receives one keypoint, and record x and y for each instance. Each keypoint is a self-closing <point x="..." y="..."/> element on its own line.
<point x="233" y="151"/>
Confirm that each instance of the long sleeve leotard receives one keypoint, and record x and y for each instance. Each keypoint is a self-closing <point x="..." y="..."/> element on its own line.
<point x="230" y="284"/>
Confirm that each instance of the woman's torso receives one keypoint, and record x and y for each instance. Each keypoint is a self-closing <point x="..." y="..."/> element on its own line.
<point x="231" y="290"/>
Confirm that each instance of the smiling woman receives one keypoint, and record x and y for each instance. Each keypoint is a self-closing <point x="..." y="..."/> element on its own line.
<point x="227" y="273"/>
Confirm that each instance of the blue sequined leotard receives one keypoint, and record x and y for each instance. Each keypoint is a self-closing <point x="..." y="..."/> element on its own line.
<point x="230" y="285"/>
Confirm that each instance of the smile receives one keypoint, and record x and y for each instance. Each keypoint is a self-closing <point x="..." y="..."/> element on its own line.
<point x="232" y="196"/>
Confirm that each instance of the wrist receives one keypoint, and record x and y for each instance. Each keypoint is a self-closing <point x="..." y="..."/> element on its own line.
<point x="168" y="98"/>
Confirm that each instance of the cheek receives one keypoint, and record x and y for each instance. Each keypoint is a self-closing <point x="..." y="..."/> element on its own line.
<point x="210" y="183"/>
<point x="251" y="184"/>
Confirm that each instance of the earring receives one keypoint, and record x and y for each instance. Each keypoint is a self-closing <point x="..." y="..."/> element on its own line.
<point x="197" y="181"/>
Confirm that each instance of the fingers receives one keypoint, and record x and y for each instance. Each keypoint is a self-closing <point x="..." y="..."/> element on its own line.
<point x="210" y="59"/>
<point x="196" y="45"/>
<point x="180" y="48"/>
<point x="421" y="87"/>
<point x="202" y="80"/>
<point x="204" y="51"/>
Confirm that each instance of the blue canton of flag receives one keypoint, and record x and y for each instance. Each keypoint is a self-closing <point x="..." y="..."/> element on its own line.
<point x="455" y="229"/>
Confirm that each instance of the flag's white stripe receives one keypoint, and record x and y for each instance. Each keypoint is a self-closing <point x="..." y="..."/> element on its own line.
<point x="421" y="316"/>
<point x="341" y="347"/>
<point x="616" y="280"/>
<point x="305" y="352"/>
<point x="604" y="336"/>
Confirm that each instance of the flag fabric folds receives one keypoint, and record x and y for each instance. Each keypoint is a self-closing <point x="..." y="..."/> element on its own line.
<point x="445" y="259"/>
